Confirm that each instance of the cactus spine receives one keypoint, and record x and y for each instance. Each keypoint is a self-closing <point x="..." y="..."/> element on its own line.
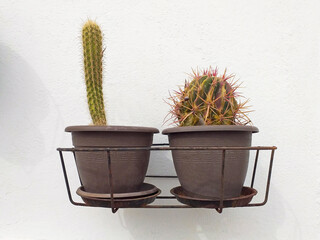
<point x="208" y="99"/>
<point x="92" y="55"/>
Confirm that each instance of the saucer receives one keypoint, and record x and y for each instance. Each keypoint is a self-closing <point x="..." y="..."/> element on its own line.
<point x="245" y="198"/>
<point x="132" y="202"/>
<point x="146" y="189"/>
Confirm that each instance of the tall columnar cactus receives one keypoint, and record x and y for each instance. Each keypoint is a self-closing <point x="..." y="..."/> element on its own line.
<point x="208" y="99"/>
<point x="92" y="55"/>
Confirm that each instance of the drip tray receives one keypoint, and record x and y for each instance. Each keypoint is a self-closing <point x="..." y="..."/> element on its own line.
<point x="131" y="202"/>
<point x="244" y="199"/>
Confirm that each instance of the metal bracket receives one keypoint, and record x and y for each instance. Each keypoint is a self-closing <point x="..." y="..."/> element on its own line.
<point x="161" y="147"/>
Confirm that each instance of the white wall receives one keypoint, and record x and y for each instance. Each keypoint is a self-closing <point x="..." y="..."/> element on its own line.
<point x="272" y="46"/>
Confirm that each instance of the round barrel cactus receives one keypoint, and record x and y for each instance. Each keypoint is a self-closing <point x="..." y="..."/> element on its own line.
<point x="209" y="99"/>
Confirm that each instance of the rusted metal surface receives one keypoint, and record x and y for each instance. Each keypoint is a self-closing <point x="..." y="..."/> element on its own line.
<point x="142" y="202"/>
<point x="112" y="205"/>
<point x="163" y="149"/>
<point x="222" y="179"/>
<point x="255" y="168"/>
<point x="268" y="183"/>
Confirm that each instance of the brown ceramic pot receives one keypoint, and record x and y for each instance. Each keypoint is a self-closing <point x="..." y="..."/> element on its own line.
<point x="128" y="167"/>
<point x="199" y="172"/>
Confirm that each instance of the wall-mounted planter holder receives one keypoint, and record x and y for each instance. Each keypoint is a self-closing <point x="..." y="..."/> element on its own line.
<point x="149" y="193"/>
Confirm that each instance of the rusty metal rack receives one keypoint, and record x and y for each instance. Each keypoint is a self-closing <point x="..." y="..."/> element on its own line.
<point x="165" y="147"/>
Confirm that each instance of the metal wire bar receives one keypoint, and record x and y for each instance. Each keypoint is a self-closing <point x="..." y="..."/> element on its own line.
<point x="163" y="148"/>
<point x="254" y="168"/>
<point x="161" y="176"/>
<point x="268" y="184"/>
<point x="165" y="197"/>
<point x="75" y="161"/>
<point x="160" y="144"/>
<point x="113" y="209"/>
<point x="67" y="182"/>
<point x="165" y="206"/>
<point x="222" y="181"/>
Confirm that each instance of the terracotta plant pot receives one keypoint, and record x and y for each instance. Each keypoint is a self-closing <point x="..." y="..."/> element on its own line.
<point x="128" y="167"/>
<point x="199" y="171"/>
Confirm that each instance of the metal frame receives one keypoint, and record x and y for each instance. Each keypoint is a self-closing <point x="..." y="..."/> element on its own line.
<point x="162" y="147"/>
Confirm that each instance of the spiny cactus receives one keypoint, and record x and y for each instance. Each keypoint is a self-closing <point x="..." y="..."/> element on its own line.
<point x="208" y="99"/>
<point x="92" y="55"/>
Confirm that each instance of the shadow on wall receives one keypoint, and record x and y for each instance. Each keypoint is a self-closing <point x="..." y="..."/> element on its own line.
<point x="193" y="224"/>
<point x="24" y="108"/>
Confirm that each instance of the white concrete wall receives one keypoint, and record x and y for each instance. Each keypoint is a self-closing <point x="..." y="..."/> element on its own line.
<point x="272" y="46"/>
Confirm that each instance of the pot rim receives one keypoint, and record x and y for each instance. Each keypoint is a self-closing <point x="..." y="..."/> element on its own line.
<point x="110" y="128"/>
<point x="211" y="128"/>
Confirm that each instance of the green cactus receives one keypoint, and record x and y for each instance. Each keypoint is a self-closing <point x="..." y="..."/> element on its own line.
<point x="208" y="99"/>
<point x="92" y="56"/>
